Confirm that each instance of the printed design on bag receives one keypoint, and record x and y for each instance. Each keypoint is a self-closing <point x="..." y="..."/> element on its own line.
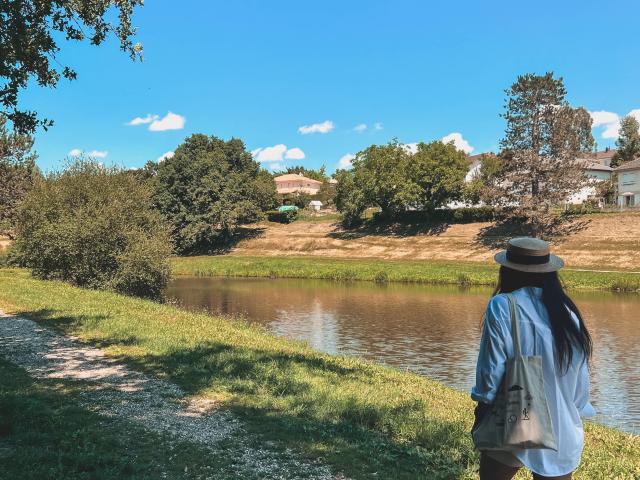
<point x="525" y="414"/>
<point x="515" y="388"/>
<point x="512" y="418"/>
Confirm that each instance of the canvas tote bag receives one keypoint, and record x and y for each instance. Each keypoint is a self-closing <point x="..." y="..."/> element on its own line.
<point x="519" y="418"/>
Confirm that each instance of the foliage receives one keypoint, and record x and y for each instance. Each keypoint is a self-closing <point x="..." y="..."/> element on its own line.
<point x="319" y="174"/>
<point x="439" y="170"/>
<point x="543" y="141"/>
<point x="18" y="171"/>
<point x="628" y="142"/>
<point x="208" y="189"/>
<point x="299" y="199"/>
<point x="350" y="200"/>
<point x="327" y="194"/>
<point x="476" y="189"/>
<point x="286" y="216"/>
<point x="390" y="178"/>
<point x="29" y="35"/>
<point x="483" y="213"/>
<point x="360" y="418"/>
<point x="94" y="227"/>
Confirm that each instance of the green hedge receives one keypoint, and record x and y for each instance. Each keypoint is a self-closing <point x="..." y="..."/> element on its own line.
<point x="483" y="213"/>
<point x="282" y="217"/>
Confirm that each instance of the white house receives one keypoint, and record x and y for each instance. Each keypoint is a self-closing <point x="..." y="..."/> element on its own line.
<point x="595" y="171"/>
<point x="629" y="183"/>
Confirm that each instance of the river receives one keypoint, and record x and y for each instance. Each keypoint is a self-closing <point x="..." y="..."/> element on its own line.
<point x="430" y="330"/>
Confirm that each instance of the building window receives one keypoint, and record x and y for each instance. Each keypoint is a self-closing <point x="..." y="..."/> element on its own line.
<point x="629" y="178"/>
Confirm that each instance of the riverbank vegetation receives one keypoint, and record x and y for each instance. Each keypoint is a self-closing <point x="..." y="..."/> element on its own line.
<point x="381" y="271"/>
<point x="362" y="419"/>
<point x="95" y="227"/>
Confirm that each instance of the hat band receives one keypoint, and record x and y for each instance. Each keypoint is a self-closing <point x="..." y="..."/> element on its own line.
<point x="527" y="259"/>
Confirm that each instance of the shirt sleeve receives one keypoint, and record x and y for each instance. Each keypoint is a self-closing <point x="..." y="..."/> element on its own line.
<point x="583" y="387"/>
<point x="492" y="357"/>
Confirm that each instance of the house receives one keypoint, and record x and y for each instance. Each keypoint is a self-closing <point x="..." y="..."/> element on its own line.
<point x="629" y="183"/>
<point x="596" y="172"/>
<point x="315" y="205"/>
<point x="296" y="183"/>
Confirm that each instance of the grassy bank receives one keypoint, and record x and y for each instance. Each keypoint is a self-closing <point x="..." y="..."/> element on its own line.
<point x="341" y="269"/>
<point x="364" y="420"/>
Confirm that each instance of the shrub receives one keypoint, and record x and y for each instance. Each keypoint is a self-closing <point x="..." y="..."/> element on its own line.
<point x="94" y="227"/>
<point x="287" y="216"/>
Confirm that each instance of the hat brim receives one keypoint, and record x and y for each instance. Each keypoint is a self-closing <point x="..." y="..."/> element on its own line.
<point x="553" y="265"/>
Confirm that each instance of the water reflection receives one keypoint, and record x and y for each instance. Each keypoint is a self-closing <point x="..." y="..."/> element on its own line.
<point x="430" y="330"/>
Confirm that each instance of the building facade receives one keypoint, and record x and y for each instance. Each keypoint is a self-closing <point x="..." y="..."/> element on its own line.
<point x="296" y="183"/>
<point x="629" y="184"/>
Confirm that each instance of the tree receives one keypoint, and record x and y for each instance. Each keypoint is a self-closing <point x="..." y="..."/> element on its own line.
<point x="29" y="35"/>
<point x="439" y="170"/>
<point x="392" y="179"/>
<point x="628" y="142"/>
<point x="476" y="189"/>
<point x="208" y="189"/>
<point x="543" y="141"/>
<point x="94" y="227"/>
<point x="18" y="171"/>
<point x="381" y="172"/>
<point x="319" y="174"/>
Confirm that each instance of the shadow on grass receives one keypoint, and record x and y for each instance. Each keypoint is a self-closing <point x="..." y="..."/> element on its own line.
<point x="46" y="433"/>
<point x="320" y="406"/>
<point x="227" y="243"/>
<point x="391" y="229"/>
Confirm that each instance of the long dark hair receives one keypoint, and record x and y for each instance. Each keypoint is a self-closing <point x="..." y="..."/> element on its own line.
<point x="566" y="334"/>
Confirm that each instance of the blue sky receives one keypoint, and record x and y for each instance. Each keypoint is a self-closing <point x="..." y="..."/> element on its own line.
<point x="261" y="70"/>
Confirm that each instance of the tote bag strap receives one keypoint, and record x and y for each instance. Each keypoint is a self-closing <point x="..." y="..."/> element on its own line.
<point x="515" y="325"/>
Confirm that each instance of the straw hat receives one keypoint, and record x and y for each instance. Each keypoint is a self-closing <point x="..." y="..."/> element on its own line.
<point x="528" y="254"/>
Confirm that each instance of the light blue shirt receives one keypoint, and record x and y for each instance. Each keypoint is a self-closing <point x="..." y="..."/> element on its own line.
<point x="567" y="392"/>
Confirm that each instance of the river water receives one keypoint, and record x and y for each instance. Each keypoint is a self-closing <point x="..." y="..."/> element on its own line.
<point x="430" y="330"/>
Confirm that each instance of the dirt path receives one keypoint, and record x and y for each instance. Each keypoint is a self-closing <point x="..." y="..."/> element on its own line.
<point x="115" y="391"/>
<point x="610" y="242"/>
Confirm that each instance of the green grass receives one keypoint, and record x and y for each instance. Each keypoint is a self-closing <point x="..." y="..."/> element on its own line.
<point x="377" y="270"/>
<point x="365" y="420"/>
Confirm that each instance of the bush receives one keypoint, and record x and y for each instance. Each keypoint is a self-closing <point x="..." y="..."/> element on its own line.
<point x="287" y="216"/>
<point x="94" y="227"/>
<point x="484" y="213"/>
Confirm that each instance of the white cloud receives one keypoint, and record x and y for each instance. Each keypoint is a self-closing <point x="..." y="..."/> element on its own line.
<point x="294" y="154"/>
<point x="277" y="153"/>
<point x="410" y="148"/>
<point x="324" y="127"/>
<point x="345" y="161"/>
<point x="143" y="120"/>
<point x="97" y="154"/>
<point x="171" y="121"/>
<point x="270" y="154"/>
<point x="77" y="152"/>
<point x="610" y="122"/>
<point x="603" y="118"/>
<point x="165" y="156"/>
<point x="459" y="142"/>
<point x="377" y="126"/>
<point x="360" y="127"/>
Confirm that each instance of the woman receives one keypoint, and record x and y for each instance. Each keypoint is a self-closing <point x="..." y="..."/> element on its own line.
<point x="550" y="326"/>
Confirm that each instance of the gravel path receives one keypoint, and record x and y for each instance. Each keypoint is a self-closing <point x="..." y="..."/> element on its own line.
<point x="116" y="391"/>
